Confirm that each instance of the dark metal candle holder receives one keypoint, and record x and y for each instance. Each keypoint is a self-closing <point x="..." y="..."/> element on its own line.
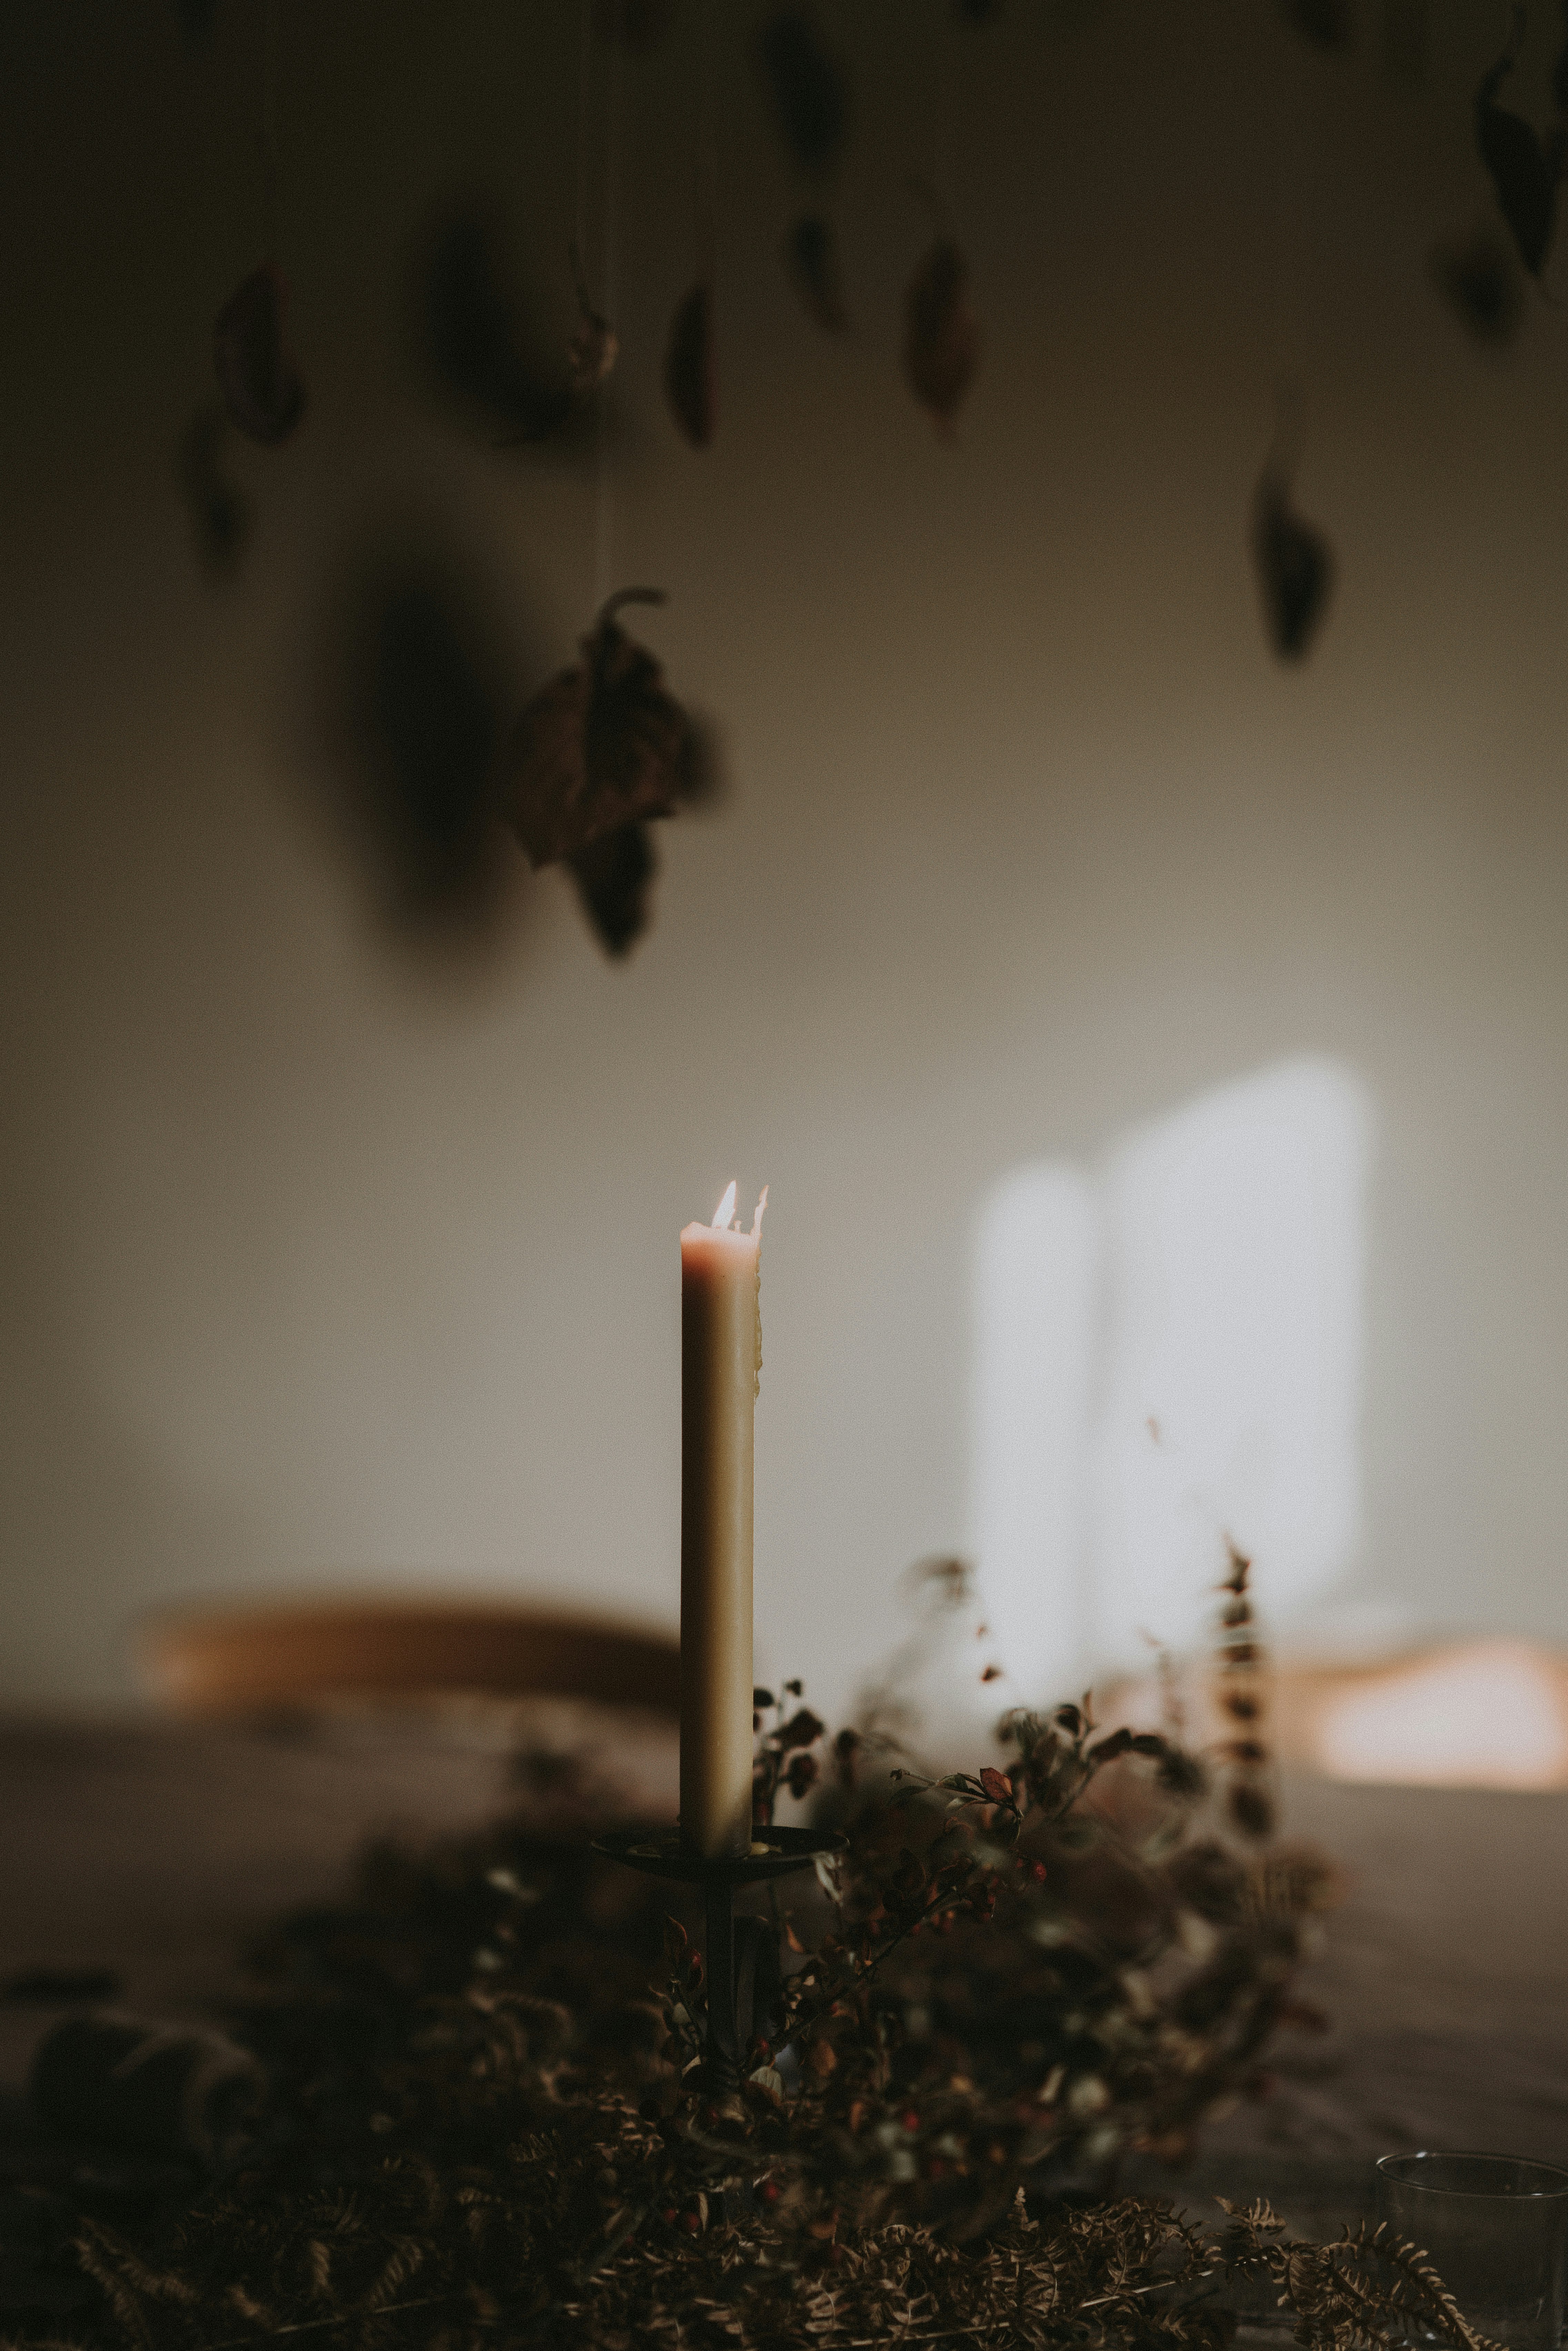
<point x="731" y="1957"/>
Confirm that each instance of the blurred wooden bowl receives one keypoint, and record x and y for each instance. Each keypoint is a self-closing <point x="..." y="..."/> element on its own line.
<point x="248" y="1660"/>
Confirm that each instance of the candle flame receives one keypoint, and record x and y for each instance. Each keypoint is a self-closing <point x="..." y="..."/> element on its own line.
<point x="757" y="1219"/>
<point x="724" y="1212"/>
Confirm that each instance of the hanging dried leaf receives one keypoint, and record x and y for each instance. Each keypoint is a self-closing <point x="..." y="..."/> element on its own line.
<point x="219" y="511"/>
<point x="941" y="334"/>
<point x="594" y="346"/>
<point x="473" y="330"/>
<point x="809" y="90"/>
<point x="1327" y="24"/>
<point x="599" y="747"/>
<point x="614" y="875"/>
<point x="811" y="258"/>
<point x="1295" y="566"/>
<point x="691" y="379"/>
<point x="1524" y="169"/>
<point x="261" y="386"/>
<point x="1480" y="282"/>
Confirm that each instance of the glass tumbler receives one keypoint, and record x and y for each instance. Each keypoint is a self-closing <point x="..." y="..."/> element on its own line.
<point x="1495" y="2228"/>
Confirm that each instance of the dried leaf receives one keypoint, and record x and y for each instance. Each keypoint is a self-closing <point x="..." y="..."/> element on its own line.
<point x="941" y="334"/>
<point x="600" y="747"/>
<point x="1295" y="566"/>
<point x="996" y="1785"/>
<point x="1524" y="169"/>
<point x="811" y="259"/>
<point x="614" y="875"/>
<point x="802" y="1729"/>
<point x="261" y="386"/>
<point x="806" y="86"/>
<point x="822" y="2058"/>
<point x="691" y="379"/>
<point x="594" y="346"/>
<point x="219" y="510"/>
<point x="801" y="1775"/>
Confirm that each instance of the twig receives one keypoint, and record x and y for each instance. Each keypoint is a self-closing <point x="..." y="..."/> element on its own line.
<point x="339" y="2318"/>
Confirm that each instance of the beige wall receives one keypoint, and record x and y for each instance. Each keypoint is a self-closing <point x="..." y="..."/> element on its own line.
<point x="327" y="1260"/>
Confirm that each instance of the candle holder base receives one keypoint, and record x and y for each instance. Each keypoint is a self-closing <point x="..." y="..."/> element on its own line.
<point x="734" y="1944"/>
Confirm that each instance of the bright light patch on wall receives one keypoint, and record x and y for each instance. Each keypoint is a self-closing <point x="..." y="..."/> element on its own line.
<point x="1491" y="1715"/>
<point x="1037" y="1277"/>
<point x="1167" y="1351"/>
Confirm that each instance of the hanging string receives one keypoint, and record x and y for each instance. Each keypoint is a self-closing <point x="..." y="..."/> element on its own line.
<point x="1291" y="152"/>
<point x="609" y="259"/>
<point x="269" y="174"/>
<point x="940" y="108"/>
<point x="705" y="177"/>
<point x="584" y="109"/>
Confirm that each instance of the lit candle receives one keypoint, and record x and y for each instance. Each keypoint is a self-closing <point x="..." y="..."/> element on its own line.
<point x="721" y="1363"/>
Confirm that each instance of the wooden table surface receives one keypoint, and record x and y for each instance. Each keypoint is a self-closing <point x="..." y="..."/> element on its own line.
<point x="156" y="1848"/>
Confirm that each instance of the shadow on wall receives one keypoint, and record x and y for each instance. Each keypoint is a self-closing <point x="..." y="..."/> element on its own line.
<point x="412" y="697"/>
<point x="1168" y="1350"/>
